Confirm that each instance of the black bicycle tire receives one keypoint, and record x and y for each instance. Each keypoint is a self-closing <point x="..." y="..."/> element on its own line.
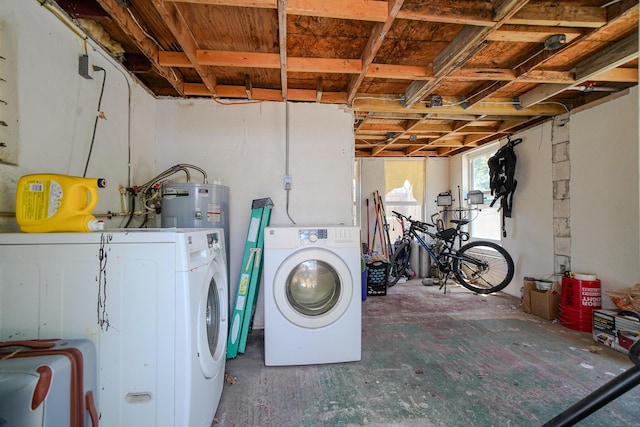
<point x="397" y="268"/>
<point x="503" y="265"/>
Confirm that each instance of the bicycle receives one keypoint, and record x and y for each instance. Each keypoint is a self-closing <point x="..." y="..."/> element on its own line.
<point x="481" y="266"/>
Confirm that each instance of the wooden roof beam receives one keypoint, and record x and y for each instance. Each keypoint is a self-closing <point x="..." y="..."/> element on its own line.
<point x="178" y="27"/>
<point x="526" y="71"/>
<point x="464" y="12"/>
<point x="297" y="64"/>
<point x="261" y="94"/>
<point x="362" y="10"/>
<point x="147" y="46"/>
<point x="498" y="107"/>
<point x="407" y="128"/>
<point x="376" y="37"/>
<point x="487" y="89"/>
<point x="454" y="135"/>
<point x="503" y="130"/>
<point x="553" y="13"/>
<point x="532" y="34"/>
<point x="238" y="59"/>
<point x="466" y="43"/>
<point x="612" y="56"/>
<point x="282" y="45"/>
<point x="378" y="128"/>
<point x="263" y="4"/>
<point x="461" y="12"/>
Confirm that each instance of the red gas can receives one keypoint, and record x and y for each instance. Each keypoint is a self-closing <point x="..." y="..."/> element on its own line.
<point x="578" y="299"/>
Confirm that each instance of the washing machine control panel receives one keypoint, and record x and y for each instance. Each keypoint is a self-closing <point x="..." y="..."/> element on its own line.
<point x="312" y="234"/>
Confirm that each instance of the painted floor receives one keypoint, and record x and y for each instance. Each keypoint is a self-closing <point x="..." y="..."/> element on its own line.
<point x="430" y="359"/>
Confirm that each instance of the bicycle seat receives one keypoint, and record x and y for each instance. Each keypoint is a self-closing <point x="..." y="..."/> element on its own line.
<point x="447" y="234"/>
<point x="460" y="221"/>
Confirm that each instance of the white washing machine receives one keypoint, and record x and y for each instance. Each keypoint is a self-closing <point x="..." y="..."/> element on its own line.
<point x="312" y="295"/>
<point x="153" y="301"/>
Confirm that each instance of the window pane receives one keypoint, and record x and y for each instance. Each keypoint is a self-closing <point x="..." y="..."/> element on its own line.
<point x="480" y="175"/>
<point x="486" y="223"/>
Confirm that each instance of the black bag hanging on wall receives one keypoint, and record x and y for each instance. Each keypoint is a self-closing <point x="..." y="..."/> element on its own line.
<point x="502" y="170"/>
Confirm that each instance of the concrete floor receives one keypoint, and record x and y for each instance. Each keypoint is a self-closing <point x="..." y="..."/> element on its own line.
<point x="430" y="359"/>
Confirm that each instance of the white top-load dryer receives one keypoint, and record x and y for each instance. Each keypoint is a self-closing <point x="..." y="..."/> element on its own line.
<point x="153" y="301"/>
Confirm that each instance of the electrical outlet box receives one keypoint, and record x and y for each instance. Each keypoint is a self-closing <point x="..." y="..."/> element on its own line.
<point x="288" y="180"/>
<point x="85" y="69"/>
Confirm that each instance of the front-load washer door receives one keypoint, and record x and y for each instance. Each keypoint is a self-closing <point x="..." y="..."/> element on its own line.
<point x="212" y="322"/>
<point x="312" y="288"/>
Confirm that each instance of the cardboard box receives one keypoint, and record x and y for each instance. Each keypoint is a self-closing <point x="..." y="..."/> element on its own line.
<point x="615" y="331"/>
<point x="529" y="285"/>
<point x="545" y="304"/>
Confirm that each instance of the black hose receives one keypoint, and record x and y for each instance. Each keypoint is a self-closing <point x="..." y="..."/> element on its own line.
<point x="132" y="208"/>
<point x="95" y="124"/>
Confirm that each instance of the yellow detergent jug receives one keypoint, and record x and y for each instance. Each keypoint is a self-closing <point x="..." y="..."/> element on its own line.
<point x="53" y="202"/>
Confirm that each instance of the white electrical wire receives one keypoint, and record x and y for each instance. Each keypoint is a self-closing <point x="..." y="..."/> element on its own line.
<point x="555" y="102"/>
<point x="142" y="29"/>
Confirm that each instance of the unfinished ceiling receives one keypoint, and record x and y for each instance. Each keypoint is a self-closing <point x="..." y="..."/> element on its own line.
<point x="423" y="77"/>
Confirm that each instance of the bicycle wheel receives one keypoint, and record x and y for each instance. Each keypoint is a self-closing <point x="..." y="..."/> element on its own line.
<point x="483" y="267"/>
<point x="398" y="264"/>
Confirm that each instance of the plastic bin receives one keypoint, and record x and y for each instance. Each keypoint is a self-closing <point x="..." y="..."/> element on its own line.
<point x="377" y="278"/>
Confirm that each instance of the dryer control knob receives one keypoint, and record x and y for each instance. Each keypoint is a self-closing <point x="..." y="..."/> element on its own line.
<point x="313" y="238"/>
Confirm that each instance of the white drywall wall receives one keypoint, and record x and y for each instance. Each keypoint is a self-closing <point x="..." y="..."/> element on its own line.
<point x="530" y="229"/>
<point x="605" y="234"/>
<point x="57" y="108"/>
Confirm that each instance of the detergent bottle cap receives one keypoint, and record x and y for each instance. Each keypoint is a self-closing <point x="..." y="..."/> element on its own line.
<point x="96" y="225"/>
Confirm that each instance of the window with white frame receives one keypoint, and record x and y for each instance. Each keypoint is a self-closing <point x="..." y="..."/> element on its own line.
<point x="486" y="221"/>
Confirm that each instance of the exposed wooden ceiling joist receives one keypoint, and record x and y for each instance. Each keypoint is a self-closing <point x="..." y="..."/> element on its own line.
<point x="142" y="41"/>
<point x="422" y="78"/>
<point x="617" y="54"/>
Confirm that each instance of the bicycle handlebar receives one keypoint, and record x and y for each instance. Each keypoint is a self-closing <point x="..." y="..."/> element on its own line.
<point x="415" y="222"/>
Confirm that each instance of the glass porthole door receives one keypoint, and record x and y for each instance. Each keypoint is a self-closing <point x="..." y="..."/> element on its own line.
<point x="211" y="322"/>
<point x="312" y="287"/>
<point x="212" y="317"/>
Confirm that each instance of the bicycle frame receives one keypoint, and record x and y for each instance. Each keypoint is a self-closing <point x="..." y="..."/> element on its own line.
<point x="450" y="252"/>
<point x="421" y="242"/>
<point x="481" y="266"/>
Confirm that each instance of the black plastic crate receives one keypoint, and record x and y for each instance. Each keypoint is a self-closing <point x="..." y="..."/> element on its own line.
<point x="377" y="278"/>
